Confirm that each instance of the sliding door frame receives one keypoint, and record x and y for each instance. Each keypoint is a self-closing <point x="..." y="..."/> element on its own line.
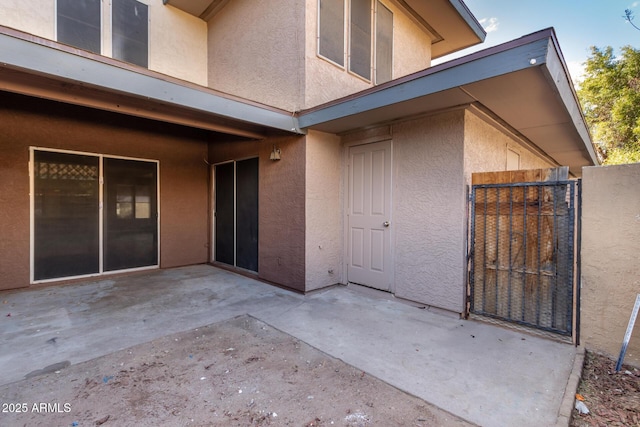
<point x="101" y="213"/>
<point x="235" y="214"/>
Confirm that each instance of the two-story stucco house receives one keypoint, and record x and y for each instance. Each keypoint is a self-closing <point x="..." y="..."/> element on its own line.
<point x="307" y="143"/>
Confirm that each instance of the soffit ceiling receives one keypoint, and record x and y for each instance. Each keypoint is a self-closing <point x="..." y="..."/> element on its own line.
<point x="451" y="22"/>
<point x="203" y="9"/>
<point x="522" y="86"/>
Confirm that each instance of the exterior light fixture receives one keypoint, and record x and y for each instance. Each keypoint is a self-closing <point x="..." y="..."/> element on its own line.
<point x="275" y="154"/>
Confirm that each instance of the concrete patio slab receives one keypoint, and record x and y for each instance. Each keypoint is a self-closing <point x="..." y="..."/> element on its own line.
<point x="485" y="374"/>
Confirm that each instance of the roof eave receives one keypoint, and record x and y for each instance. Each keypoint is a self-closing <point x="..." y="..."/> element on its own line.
<point x="452" y="23"/>
<point x="469" y="18"/>
<point x="146" y="91"/>
<point x="473" y="24"/>
<point x="459" y="82"/>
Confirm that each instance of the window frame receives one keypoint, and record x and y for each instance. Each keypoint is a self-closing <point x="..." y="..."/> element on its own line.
<point x="347" y="41"/>
<point x="100" y="214"/>
<point x="106" y="31"/>
<point x="100" y="28"/>
<point x="350" y="50"/>
<point x="112" y="32"/>
<point x="376" y="63"/>
<point x="343" y="40"/>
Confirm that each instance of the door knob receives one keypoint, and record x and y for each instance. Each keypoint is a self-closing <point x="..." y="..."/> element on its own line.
<point x="386" y="223"/>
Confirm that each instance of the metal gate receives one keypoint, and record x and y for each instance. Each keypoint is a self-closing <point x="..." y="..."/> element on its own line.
<point x="522" y="253"/>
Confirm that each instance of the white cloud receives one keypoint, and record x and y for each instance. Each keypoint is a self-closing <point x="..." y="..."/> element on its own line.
<point x="576" y="70"/>
<point x="635" y="4"/>
<point x="489" y="24"/>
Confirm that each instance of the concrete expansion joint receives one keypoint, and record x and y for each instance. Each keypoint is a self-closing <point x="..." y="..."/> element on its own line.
<point x="568" y="401"/>
<point x="282" y="313"/>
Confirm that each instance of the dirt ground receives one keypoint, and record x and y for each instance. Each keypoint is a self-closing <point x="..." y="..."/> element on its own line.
<point x="613" y="399"/>
<point x="236" y="373"/>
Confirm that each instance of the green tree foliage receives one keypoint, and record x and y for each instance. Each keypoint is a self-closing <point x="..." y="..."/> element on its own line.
<point x="610" y="96"/>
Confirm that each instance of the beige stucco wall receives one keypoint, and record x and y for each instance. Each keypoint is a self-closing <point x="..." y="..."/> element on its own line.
<point x="411" y="44"/>
<point x="269" y="54"/>
<point x="177" y="40"/>
<point x="485" y="149"/>
<point x="610" y="248"/>
<point x="177" y="43"/>
<point x="324" y="159"/>
<point x="256" y="51"/>
<point x="433" y="158"/>
<point x="31" y="16"/>
<point x="429" y="210"/>
<point x="326" y="81"/>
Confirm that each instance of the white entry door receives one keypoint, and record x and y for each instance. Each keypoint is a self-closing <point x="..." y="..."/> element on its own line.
<point x="369" y="215"/>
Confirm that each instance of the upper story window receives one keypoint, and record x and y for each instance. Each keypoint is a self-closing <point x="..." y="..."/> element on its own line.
<point x="130" y="26"/>
<point x="368" y="32"/>
<point x="384" y="44"/>
<point x="331" y="30"/>
<point x="360" y="38"/>
<point x="79" y="24"/>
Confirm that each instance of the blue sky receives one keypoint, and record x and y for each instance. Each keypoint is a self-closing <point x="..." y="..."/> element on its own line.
<point x="579" y="24"/>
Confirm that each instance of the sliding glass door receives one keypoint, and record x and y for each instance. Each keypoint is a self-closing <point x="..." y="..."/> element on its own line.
<point x="236" y="214"/>
<point x="66" y="200"/>
<point x="72" y="235"/>
<point x="131" y="212"/>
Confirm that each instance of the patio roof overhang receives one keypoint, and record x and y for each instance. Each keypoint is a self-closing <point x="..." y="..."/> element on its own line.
<point x="524" y="85"/>
<point x="42" y="68"/>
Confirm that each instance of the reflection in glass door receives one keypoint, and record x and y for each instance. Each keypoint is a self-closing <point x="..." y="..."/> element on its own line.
<point x="130" y="227"/>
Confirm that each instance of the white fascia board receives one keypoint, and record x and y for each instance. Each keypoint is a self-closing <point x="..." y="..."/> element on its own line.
<point x="39" y="59"/>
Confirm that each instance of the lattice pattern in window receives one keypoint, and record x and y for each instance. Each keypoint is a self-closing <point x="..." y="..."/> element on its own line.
<point x="46" y="170"/>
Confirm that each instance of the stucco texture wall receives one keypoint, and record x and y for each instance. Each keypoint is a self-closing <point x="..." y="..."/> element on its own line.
<point x="31" y="16"/>
<point x="323" y="209"/>
<point x="485" y="149"/>
<point x="326" y="81"/>
<point x="281" y="205"/>
<point x="256" y="51"/>
<point x="26" y="122"/>
<point x="411" y="44"/>
<point x="429" y="210"/>
<point x="177" y="43"/>
<point x="610" y="248"/>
